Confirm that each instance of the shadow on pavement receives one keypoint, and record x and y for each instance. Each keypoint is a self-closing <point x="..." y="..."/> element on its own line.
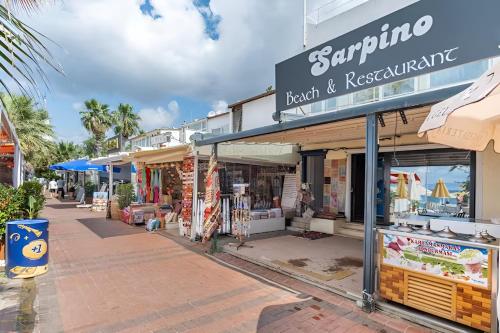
<point x="109" y="228"/>
<point x="273" y="313"/>
<point x="61" y="206"/>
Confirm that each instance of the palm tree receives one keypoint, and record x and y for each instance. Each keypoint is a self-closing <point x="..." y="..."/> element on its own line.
<point x="66" y="151"/>
<point x="126" y="121"/>
<point x="33" y="128"/>
<point x="89" y="147"/>
<point x="97" y="121"/>
<point x="22" y="49"/>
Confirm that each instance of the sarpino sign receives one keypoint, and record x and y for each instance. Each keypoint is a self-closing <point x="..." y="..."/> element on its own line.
<point x="421" y="38"/>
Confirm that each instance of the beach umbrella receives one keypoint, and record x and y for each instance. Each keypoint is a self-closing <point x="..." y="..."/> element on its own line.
<point x="401" y="191"/>
<point x="440" y="190"/>
<point x="469" y="120"/>
<point x="212" y="200"/>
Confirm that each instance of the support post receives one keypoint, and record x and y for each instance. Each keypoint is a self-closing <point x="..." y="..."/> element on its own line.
<point x="110" y="181"/>
<point x="370" y="216"/>
<point x="216" y="151"/>
<point x="17" y="171"/>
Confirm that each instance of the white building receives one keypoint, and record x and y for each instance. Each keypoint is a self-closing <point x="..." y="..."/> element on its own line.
<point x="158" y="138"/>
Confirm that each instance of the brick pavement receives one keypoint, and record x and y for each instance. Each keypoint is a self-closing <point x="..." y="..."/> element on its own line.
<point x="104" y="276"/>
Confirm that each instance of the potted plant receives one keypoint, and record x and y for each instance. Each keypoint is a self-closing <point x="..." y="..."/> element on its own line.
<point x="89" y="188"/>
<point x="125" y="194"/>
<point x="27" y="250"/>
<point x="32" y="199"/>
<point x="10" y="209"/>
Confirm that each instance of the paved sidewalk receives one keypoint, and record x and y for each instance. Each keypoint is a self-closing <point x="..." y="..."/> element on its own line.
<point x="106" y="276"/>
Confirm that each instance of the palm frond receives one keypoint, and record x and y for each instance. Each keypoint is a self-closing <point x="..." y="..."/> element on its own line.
<point x="23" y="53"/>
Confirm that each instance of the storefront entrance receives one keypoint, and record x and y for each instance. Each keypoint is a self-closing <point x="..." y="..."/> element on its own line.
<point x="358" y="188"/>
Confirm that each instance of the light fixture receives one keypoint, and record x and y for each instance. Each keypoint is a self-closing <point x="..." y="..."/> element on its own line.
<point x="381" y="119"/>
<point x="403" y="117"/>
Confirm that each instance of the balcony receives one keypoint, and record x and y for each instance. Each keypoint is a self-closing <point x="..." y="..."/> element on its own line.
<point x="332" y="8"/>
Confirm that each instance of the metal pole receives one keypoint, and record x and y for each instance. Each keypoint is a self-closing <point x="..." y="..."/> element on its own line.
<point x="370" y="212"/>
<point x="110" y="172"/>
<point x="304" y="32"/>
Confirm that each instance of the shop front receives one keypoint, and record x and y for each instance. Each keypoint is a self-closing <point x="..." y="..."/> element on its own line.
<point x="11" y="157"/>
<point x="159" y="186"/>
<point x="255" y="181"/>
<point x="429" y="203"/>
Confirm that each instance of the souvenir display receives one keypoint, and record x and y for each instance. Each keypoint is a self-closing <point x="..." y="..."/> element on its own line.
<point x="226" y="216"/>
<point x="187" y="192"/>
<point x="212" y="200"/>
<point x="241" y="216"/>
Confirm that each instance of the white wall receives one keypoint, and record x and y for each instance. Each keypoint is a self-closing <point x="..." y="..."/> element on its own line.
<point x="488" y="184"/>
<point x="259" y="112"/>
<point x="352" y="19"/>
<point x="222" y="120"/>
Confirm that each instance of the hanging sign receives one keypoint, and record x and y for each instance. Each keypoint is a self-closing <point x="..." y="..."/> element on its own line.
<point x="421" y="38"/>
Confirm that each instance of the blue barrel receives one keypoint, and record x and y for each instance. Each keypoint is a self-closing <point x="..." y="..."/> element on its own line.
<point x="27" y="250"/>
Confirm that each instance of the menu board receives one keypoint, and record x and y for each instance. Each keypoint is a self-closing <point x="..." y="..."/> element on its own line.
<point x="462" y="263"/>
<point x="289" y="195"/>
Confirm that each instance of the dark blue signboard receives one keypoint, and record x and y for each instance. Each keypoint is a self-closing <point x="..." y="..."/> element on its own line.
<point x="424" y="37"/>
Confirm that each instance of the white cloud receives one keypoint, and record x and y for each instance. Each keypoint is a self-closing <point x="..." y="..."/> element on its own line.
<point x="111" y="48"/>
<point x="77" y="106"/>
<point x="219" y="106"/>
<point x="153" y="118"/>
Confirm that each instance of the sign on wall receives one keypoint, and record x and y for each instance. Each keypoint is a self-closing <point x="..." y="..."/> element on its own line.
<point x="421" y="38"/>
<point x="161" y="138"/>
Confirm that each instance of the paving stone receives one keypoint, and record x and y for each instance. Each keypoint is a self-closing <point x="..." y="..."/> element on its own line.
<point x="106" y="276"/>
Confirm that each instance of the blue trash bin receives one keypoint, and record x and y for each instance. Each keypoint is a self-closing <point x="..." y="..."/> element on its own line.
<point x="27" y="248"/>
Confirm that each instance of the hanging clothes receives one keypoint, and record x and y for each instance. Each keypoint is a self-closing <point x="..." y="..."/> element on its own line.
<point x="156" y="186"/>
<point x="148" y="185"/>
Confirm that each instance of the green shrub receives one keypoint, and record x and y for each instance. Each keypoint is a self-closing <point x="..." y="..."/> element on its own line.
<point x="10" y="206"/>
<point x="33" y="199"/>
<point x="90" y="188"/>
<point x="125" y="194"/>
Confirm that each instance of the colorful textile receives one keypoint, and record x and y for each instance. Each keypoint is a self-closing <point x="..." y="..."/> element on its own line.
<point x="212" y="200"/>
<point x="148" y="185"/>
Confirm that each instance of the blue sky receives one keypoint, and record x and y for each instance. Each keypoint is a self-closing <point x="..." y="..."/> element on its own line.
<point x="173" y="60"/>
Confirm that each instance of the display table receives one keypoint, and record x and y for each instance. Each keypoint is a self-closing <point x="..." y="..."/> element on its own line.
<point x="266" y="225"/>
<point x="452" y="278"/>
<point x="466" y="226"/>
<point x="149" y="211"/>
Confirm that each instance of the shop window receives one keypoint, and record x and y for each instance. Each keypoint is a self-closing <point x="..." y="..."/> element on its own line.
<point x="331" y="104"/>
<point x="365" y="96"/>
<point x="431" y="183"/>
<point x="399" y="88"/>
<point x="317" y="107"/>
<point x="467" y="72"/>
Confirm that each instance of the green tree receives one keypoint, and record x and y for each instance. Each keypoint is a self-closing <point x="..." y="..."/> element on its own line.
<point x="22" y="49"/>
<point x="66" y="151"/>
<point x="126" y="121"/>
<point x="97" y="120"/>
<point x="33" y="128"/>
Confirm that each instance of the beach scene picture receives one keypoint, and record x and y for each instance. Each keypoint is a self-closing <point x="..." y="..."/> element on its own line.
<point x="461" y="263"/>
<point x="431" y="190"/>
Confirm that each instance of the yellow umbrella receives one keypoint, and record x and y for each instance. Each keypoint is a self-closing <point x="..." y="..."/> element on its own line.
<point x="469" y="120"/>
<point x="440" y="190"/>
<point x="401" y="191"/>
